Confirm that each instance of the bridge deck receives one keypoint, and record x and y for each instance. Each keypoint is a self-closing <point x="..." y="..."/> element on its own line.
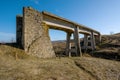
<point x="56" y="22"/>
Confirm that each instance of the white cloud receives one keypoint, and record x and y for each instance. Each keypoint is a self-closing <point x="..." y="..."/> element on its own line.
<point x="35" y="1"/>
<point x="7" y="34"/>
<point x="57" y="10"/>
<point x="7" y="37"/>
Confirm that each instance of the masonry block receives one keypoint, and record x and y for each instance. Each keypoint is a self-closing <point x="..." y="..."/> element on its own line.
<point x="36" y="37"/>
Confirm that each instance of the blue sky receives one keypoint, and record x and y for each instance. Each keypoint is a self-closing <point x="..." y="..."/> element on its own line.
<point x="102" y="15"/>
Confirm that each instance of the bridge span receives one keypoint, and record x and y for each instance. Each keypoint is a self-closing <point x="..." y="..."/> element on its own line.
<point x="33" y="36"/>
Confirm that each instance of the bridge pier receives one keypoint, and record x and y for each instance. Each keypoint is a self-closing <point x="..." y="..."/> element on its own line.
<point x="85" y="42"/>
<point x="93" y="41"/>
<point x="99" y="38"/>
<point x="68" y="45"/>
<point x="77" y="42"/>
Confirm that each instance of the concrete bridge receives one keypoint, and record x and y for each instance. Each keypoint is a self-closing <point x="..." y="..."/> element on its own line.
<point x="33" y="36"/>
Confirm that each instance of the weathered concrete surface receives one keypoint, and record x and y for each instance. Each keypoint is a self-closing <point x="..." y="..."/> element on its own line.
<point x="36" y="38"/>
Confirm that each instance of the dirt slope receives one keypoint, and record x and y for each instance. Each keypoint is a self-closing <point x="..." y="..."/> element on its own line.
<point x="109" y="47"/>
<point x="26" y="67"/>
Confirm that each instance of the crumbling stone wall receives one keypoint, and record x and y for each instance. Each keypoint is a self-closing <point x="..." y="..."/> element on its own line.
<point x="36" y="38"/>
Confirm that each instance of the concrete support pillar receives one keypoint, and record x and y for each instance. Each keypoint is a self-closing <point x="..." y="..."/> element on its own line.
<point x="77" y="41"/>
<point x="92" y="41"/>
<point x="68" y="45"/>
<point x="85" y="41"/>
<point x="99" y="38"/>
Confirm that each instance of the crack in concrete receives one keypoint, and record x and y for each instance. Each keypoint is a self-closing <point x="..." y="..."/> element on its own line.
<point x="33" y="42"/>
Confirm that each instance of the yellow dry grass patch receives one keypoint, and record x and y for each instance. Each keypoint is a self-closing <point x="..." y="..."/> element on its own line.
<point x="31" y="68"/>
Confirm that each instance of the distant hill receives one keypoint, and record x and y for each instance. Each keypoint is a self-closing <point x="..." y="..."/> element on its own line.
<point x="109" y="47"/>
<point x="111" y="39"/>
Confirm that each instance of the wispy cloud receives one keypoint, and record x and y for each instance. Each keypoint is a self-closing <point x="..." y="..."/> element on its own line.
<point x="57" y="10"/>
<point x="7" y="37"/>
<point x="35" y="1"/>
<point x="7" y="34"/>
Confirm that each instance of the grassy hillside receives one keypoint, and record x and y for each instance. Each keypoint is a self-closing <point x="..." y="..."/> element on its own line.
<point x="109" y="48"/>
<point x="17" y="65"/>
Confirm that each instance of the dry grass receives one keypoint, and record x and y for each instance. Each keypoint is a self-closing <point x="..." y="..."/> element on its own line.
<point x="13" y="52"/>
<point x="40" y="69"/>
<point x="32" y="68"/>
<point x="99" y="68"/>
<point x="109" y="48"/>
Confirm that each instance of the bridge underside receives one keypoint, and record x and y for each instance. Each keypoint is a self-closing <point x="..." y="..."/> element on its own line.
<point x="34" y="35"/>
